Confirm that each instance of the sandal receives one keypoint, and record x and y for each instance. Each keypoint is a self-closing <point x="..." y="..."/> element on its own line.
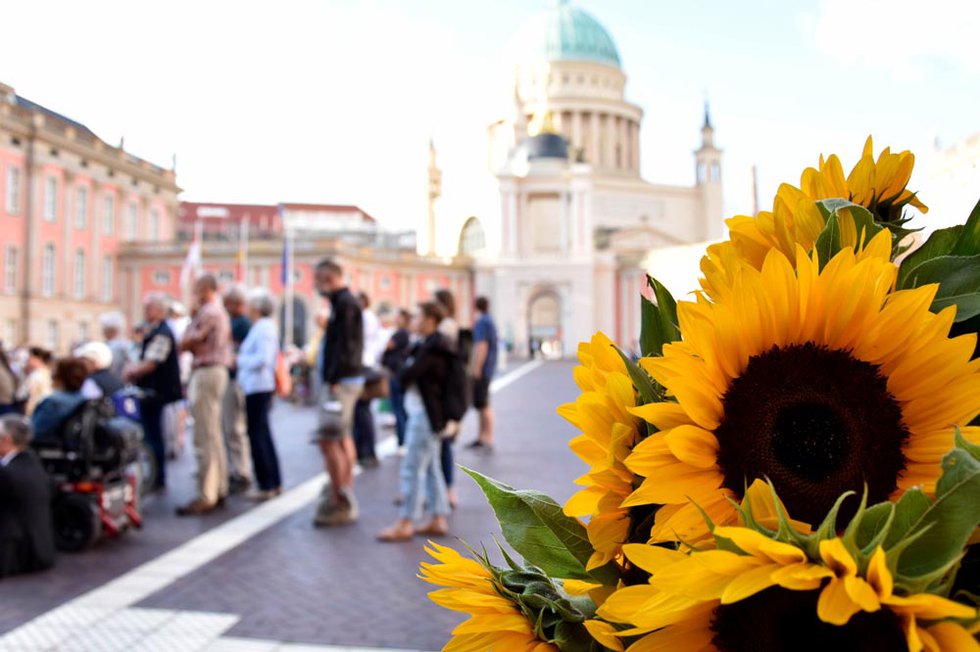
<point x="395" y="534"/>
<point x="432" y="531"/>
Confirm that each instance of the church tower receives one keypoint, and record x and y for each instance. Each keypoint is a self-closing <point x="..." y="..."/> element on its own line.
<point x="708" y="170"/>
<point x="428" y="248"/>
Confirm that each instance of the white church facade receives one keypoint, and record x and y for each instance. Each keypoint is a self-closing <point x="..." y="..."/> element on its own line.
<point x="562" y="254"/>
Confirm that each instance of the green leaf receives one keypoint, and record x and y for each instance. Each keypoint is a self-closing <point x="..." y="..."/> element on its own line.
<point x="950" y="520"/>
<point x="874" y="527"/>
<point x="940" y="243"/>
<point x="908" y="511"/>
<point x="646" y="387"/>
<point x="959" y="283"/>
<point x="829" y="241"/>
<point x="537" y="528"/>
<point x="658" y="320"/>
<point x="968" y="244"/>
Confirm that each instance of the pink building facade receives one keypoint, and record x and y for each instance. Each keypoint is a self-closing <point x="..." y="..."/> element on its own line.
<point x="68" y="203"/>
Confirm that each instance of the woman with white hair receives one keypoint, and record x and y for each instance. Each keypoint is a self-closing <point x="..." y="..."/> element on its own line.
<point x="101" y="381"/>
<point x="257" y="376"/>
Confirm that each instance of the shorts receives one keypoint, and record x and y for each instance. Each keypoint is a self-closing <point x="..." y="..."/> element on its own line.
<point x="481" y="393"/>
<point x="336" y="411"/>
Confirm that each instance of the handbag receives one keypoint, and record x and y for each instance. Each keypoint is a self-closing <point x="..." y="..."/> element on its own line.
<point x="376" y="385"/>
<point x="284" y="377"/>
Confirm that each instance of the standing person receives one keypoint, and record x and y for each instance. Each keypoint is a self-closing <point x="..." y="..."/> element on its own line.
<point x="158" y="373"/>
<point x="114" y="333"/>
<point x="364" y="433"/>
<point x="175" y="414"/>
<point x="209" y="338"/>
<point x="256" y="374"/>
<point x="449" y="327"/>
<point x="233" y="403"/>
<point x="343" y="350"/>
<point x="37" y="385"/>
<point x="393" y="359"/>
<point x="26" y="525"/>
<point x="424" y="379"/>
<point x="8" y="385"/>
<point x="483" y="368"/>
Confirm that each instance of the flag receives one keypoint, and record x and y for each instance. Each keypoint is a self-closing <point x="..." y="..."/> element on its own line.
<point x="287" y="255"/>
<point x="192" y="263"/>
<point x="243" y="250"/>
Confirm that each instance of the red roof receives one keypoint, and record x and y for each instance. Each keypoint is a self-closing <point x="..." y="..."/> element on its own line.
<point x="193" y="211"/>
<point x="338" y="208"/>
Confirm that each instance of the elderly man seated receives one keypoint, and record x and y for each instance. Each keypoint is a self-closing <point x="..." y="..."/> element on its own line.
<point x="26" y="533"/>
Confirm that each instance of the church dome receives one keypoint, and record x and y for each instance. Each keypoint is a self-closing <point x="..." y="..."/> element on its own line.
<point x="567" y="33"/>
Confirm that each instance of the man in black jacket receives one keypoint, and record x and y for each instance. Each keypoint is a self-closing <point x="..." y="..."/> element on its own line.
<point x="26" y="532"/>
<point x="343" y="381"/>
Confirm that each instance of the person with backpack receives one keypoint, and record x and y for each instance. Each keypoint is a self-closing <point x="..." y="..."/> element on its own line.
<point x="428" y="403"/>
<point x="460" y="341"/>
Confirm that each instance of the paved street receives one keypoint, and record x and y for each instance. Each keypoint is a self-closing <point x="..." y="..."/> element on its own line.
<point x="263" y="579"/>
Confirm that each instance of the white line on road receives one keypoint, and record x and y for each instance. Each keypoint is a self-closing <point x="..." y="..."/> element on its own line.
<point x="112" y="601"/>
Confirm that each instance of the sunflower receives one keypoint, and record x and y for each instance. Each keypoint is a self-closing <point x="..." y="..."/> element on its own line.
<point x="495" y="622"/>
<point x="767" y="595"/>
<point x="796" y="220"/>
<point x="822" y="381"/>
<point x="609" y="432"/>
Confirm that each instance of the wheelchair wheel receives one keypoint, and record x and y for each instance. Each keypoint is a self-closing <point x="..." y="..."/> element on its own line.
<point x="76" y="522"/>
<point x="146" y="464"/>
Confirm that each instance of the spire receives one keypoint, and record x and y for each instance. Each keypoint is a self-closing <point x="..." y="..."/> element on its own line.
<point x="435" y="191"/>
<point x="707" y="131"/>
<point x="707" y="116"/>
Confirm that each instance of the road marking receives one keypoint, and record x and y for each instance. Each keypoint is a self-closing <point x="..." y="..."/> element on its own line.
<point x="104" y="616"/>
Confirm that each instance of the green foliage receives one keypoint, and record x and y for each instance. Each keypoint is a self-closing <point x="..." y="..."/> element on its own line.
<point x="950" y="257"/>
<point x="658" y="320"/>
<point x="828" y="243"/>
<point x="537" y="528"/>
<point x="647" y="389"/>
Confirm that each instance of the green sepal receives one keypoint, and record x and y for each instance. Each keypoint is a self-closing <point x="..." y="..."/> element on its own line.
<point x="658" y="320"/>
<point x="647" y="389"/>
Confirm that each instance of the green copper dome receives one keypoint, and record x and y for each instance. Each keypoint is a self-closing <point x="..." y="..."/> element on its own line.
<point x="567" y="33"/>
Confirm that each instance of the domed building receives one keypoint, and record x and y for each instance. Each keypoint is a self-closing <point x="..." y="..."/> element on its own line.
<point x="561" y="256"/>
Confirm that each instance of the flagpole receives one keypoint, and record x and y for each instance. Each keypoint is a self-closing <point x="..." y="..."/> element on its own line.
<point x="289" y="308"/>
<point x="243" y="251"/>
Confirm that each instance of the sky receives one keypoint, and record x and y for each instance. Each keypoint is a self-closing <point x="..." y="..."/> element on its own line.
<point x="334" y="101"/>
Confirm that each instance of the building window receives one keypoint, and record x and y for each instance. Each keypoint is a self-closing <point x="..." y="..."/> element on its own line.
<point x="47" y="270"/>
<point x="83" y="331"/>
<point x="53" y="342"/>
<point x="50" y="199"/>
<point x="108" y="274"/>
<point x="81" y="208"/>
<point x="472" y="239"/>
<point x="715" y="172"/>
<point x="10" y="269"/>
<point x="228" y="276"/>
<point x="79" y="274"/>
<point x="131" y="217"/>
<point x="109" y="215"/>
<point x="161" y="277"/>
<point x="13" y="189"/>
<point x="154" y="226"/>
<point x="385" y="283"/>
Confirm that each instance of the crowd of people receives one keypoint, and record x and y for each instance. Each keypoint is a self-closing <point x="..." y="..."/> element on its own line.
<point x="216" y="371"/>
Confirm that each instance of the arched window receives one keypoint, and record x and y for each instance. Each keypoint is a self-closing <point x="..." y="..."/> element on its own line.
<point x="472" y="239"/>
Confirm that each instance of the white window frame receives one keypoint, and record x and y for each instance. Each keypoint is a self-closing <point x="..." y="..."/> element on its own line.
<point x="161" y="277"/>
<point x="108" y="278"/>
<point x="108" y="215"/>
<point x="50" y="198"/>
<point x="11" y="267"/>
<point x="132" y="221"/>
<point x="154" y="225"/>
<point x="48" y="264"/>
<point x="53" y="335"/>
<point x="81" y="207"/>
<point x="12" y="201"/>
<point x="78" y="274"/>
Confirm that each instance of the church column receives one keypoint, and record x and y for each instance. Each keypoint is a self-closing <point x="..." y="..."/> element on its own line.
<point x="635" y="146"/>
<point x="577" y="142"/>
<point x="596" y="140"/>
<point x="623" y="138"/>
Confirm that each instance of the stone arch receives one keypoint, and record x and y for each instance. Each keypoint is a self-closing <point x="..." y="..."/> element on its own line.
<point x="544" y="323"/>
<point x="472" y="238"/>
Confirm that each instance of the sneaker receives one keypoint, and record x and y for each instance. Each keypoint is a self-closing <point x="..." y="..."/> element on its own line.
<point x="197" y="507"/>
<point x="369" y="463"/>
<point x="328" y="514"/>
<point x="353" y="509"/>
<point x="238" y="484"/>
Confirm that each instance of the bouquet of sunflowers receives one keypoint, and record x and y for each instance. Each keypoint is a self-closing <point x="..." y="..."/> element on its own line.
<point x="790" y="465"/>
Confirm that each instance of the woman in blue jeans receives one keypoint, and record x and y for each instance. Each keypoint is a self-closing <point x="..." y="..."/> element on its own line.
<point x="256" y="373"/>
<point x="424" y="381"/>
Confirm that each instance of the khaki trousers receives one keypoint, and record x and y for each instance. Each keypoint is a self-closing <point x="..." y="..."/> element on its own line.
<point x="206" y="394"/>
<point x="235" y="431"/>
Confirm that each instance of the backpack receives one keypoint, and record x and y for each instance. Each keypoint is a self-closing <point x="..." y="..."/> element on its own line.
<point x="464" y="346"/>
<point x="456" y="398"/>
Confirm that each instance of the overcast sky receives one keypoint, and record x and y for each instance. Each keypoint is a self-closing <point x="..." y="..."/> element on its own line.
<point x="334" y="101"/>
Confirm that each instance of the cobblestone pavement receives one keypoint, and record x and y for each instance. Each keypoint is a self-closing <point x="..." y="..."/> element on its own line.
<point x="291" y="583"/>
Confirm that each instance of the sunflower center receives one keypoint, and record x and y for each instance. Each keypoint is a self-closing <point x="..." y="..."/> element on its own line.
<point x="777" y="619"/>
<point x="815" y="421"/>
